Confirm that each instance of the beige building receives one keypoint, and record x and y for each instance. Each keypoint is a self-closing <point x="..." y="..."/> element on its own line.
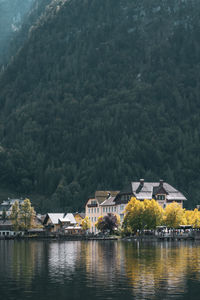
<point x="115" y="202"/>
<point x="100" y="206"/>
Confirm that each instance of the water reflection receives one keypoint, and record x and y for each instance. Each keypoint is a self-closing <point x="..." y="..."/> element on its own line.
<point x="162" y="268"/>
<point x="108" y="270"/>
<point x="63" y="259"/>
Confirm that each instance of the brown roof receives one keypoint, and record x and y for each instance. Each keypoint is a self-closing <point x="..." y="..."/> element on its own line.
<point x="101" y="196"/>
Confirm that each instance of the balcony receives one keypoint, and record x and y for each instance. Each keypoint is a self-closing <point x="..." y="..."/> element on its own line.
<point x="92" y="205"/>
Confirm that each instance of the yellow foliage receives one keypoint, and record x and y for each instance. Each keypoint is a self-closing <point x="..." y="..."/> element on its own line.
<point x="192" y="217"/>
<point x="85" y="223"/>
<point x="145" y="214"/>
<point x="174" y="215"/>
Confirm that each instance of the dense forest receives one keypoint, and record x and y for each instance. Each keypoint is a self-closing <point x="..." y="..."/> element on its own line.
<point x="102" y="93"/>
<point x="12" y="13"/>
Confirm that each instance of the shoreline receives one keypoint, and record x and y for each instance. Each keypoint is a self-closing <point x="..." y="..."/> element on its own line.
<point x="106" y="238"/>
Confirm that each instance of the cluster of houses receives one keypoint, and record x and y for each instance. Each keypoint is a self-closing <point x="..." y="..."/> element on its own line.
<point x="115" y="201"/>
<point x="102" y="203"/>
<point x="49" y="223"/>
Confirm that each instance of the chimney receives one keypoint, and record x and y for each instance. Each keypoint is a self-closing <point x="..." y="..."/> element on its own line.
<point x="108" y="195"/>
<point x="142" y="182"/>
<point x="161" y="182"/>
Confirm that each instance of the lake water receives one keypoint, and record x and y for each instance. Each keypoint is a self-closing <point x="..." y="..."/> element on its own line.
<point x="43" y="270"/>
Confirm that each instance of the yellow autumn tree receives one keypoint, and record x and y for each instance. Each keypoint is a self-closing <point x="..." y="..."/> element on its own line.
<point x="85" y="223"/>
<point x="188" y="217"/>
<point x="140" y="215"/>
<point x="134" y="215"/>
<point x="27" y="215"/>
<point x="173" y="215"/>
<point x="153" y="214"/>
<point x="192" y="217"/>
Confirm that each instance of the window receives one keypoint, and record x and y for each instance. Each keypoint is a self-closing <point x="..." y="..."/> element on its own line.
<point x="92" y="219"/>
<point x="97" y="209"/>
<point x="103" y="209"/>
<point x="95" y="219"/>
<point x="94" y="210"/>
<point x="93" y="202"/>
<point x="160" y="197"/>
<point x="106" y="209"/>
<point x="112" y="208"/>
<point x="88" y="210"/>
<point x="115" y="208"/>
<point x="109" y="209"/>
<point x="121" y="207"/>
<point x="121" y="217"/>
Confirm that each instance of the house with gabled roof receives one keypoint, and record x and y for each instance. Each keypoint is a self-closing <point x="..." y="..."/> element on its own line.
<point x="161" y="191"/>
<point x="94" y="207"/>
<point x="6" y="206"/>
<point x="54" y="222"/>
<point x="115" y="202"/>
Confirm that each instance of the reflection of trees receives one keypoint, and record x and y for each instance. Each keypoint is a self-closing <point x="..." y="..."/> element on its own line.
<point x="103" y="260"/>
<point x="164" y="266"/>
<point x="24" y="260"/>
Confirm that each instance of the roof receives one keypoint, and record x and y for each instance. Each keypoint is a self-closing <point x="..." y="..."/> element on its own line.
<point x="69" y="218"/>
<point x="108" y="202"/>
<point x="61" y="217"/>
<point x="82" y="215"/>
<point x="147" y="190"/>
<point x="54" y="217"/>
<point x="7" y="204"/>
<point x="102" y="195"/>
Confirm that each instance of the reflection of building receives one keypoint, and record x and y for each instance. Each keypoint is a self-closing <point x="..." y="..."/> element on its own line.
<point x="104" y="261"/>
<point x="63" y="258"/>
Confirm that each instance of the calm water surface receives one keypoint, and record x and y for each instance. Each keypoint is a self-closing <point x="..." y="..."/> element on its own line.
<point x="99" y="270"/>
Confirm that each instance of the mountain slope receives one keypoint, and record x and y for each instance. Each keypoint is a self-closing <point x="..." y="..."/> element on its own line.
<point x="103" y="92"/>
<point x="11" y="18"/>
